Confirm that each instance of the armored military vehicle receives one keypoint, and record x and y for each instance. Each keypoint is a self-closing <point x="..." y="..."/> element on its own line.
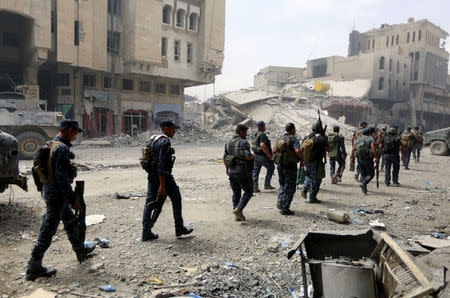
<point x="9" y="163"/>
<point x="28" y="121"/>
<point x="439" y="141"/>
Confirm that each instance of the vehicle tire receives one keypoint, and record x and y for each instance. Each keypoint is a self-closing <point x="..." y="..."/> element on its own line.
<point x="29" y="143"/>
<point x="438" y="148"/>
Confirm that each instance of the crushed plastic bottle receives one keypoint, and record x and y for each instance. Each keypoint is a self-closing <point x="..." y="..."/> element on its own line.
<point x="294" y="293"/>
<point x="357" y="221"/>
<point x="89" y="244"/>
<point x="284" y="244"/>
<point x="228" y="264"/>
<point x="107" y="288"/>
<point x="103" y="243"/>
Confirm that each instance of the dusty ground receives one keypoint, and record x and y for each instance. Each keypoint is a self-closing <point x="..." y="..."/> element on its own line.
<point x="196" y="263"/>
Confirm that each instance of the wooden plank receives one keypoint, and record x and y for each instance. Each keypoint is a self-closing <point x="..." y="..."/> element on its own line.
<point x="406" y="259"/>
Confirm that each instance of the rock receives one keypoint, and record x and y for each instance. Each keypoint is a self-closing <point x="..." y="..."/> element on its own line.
<point x="163" y="293"/>
<point x="96" y="267"/>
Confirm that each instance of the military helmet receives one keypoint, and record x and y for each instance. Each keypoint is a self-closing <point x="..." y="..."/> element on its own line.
<point x="392" y="131"/>
<point x="316" y="127"/>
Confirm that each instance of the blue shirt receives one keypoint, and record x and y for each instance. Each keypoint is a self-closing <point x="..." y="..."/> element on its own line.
<point x="163" y="153"/>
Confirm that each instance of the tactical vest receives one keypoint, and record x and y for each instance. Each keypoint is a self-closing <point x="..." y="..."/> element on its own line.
<point x="335" y="140"/>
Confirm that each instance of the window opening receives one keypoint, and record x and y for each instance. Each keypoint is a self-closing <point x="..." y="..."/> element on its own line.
<point x="382" y="62"/>
<point x="144" y="86"/>
<point x="414" y="36"/>
<point x="164" y="47"/>
<point x="176" y="50"/>
<point x="189" y="53"/>
<point x="175" y="89"/>
<point x="420" y="35"/>
<point x="180" y="18"/>
<point x="392" y="40"/>
<point x="380" y="83"/>
<point x="398" y="36"/>
<point x="89" y="80"/>
<point x="114" y="7"/>
<point x="113" y="42"/>
<point x="160" y="88"/>
<point x="166" y="14"/>
<point x="62" y="79"/>
<point x="76" y="39"/>
<point x="407" y="37"/>
<point x="107" y="82"/>
<point x="128" y="84"/>
<point x="193" y="19"/>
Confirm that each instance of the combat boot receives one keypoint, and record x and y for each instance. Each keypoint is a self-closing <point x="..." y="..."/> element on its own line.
<point x="269" y="187"/>
<point x="286" y="212"/>
<point x="83" y="253"/>
<point x="239" y="215"/>
<point x="35" y="270"/>
<point x="183" y="231"/>
<point x="304" y="194"/>
<point x="146" y="236"/>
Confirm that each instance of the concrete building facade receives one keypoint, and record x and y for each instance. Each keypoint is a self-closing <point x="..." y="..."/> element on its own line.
<point x="273" y="78"/>
<point x="114" y="65"/>
<point x="408" y="66"/>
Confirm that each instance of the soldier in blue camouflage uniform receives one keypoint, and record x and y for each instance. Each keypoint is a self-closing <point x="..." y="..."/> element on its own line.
<point x="315" y="168"/>
<point x="263" y="157"/>
<point x="59" y="197"/>
<point x="161" y="184"/>
<point x="287" y="171"/>
<point x="239" y="171"/>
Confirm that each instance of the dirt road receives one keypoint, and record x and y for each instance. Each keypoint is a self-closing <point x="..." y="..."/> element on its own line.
<point x="223" y="258"/>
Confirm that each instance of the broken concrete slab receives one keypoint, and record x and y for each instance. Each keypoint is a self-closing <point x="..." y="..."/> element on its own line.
<point x="41" y="293"/>
<point x="94" y="219"/>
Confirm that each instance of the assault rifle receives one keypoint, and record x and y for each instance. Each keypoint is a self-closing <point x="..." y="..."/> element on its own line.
<point x="322" y="129"/>
<point x="79" y="219"/>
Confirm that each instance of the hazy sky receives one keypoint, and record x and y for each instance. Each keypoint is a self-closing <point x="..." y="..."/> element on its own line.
<point x="259" y="33"/>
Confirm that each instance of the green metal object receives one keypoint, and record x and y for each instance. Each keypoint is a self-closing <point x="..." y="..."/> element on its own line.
<point x="439" y="141"/>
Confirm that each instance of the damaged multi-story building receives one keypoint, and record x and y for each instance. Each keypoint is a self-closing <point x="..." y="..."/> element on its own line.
<point x="407" y="65"/>
<point x="116" y="66"/>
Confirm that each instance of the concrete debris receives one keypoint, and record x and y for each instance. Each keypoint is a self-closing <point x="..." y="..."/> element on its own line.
<point x="41" y="293"/>
<point x="94" y="219"/>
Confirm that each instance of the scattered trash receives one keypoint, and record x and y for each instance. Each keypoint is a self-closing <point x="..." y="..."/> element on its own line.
<point x="120" y="197"/>
<point x="89" y="244"/>
<point x="438" y="235"/>
<point x="107" y="288"/>
<point x="431" y="242"/>
<point x="366" y="211"/>
<point x="338" y="216"/>
<point x="103" y="243"/>
<point x="94" y="219"/>
<point x="430" y="217"/>
<point x="363" y="205"/>
<point x="358" y="221"/>
<point x="407" y="208"/>
<point x="284" y="244"/>
<point x="267" y="207"/>
<point x="334" y="199"/>
<point x="377" y="224"/>
<point x="155" y="280"/>
<point x="96" y="267"/>
<point x="294" y="293"/>
<point x="138" y="195"/>
<point x="295" y="203"/>
<point x="194" y="296"/>
<point x="228" y="264"/>
<point x="190" y="224"/>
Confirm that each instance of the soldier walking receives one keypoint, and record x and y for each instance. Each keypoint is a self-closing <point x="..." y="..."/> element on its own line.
<point x="161" y="183"/>
<point x="238" y="161"/>
<point x="365" y="150"/>
<point x="356" y="135"/>
<point x="391" y="147"/>
<point x="262" y="148"/>
<point x="59" y="197"/>
<point x="287" y="154"/>
<point x="315" y="157"/>
<point x="337" y="154"/>
<point x="408" y="140"/>
<point x="418" y="145"/>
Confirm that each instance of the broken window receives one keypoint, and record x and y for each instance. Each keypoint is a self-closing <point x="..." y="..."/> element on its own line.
<point x="382" y="62"/>
<point x="164" y="47"/>
<point x="128" y="84"/>
<point x="62" y="79"/>
<point x="113" y="42"/>
<point x="380" y="83"/>
<point x="175" y="89"/>
<point x="76" y="39"/>
<point x="193" y="20"/>
<point x="166" y="14"/>
<point x="160" y="88"/>
<point x="189" y="53"/>
<point x="144" y="86"/>
<point x="114" y="7"/>
<point x="180" y="18"/>
<point x="89" y="80"/>
<point x="176" y="50"/>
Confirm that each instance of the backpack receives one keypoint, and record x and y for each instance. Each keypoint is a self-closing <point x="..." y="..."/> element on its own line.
<point x="148" y="160"/>
<point x="283" y="155"/>
<point x="389" y="145"/>
<point x="407" y="139"/>
<point x="362" y="149"/>
<point x="307" y="148"/>
<point x="334" y="141"/>
<point x="419" y="137"/>
<point x="42" y="164"/>
<point x="254" y="143"/>
<point x="231" y="159"/>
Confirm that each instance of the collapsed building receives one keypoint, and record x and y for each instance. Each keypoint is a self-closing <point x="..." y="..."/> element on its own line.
<point x="115" y="66"/>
